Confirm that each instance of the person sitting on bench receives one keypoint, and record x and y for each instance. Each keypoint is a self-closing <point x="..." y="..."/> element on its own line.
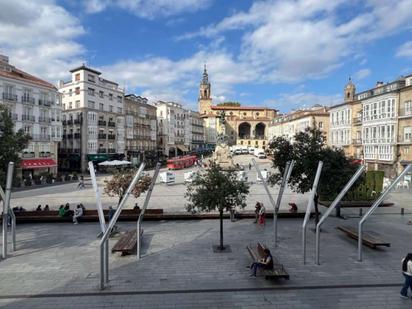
<point x="77" y="214"/>
<point x="265" y="263"/>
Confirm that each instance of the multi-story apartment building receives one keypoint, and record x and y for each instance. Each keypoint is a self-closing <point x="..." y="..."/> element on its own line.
<point x="405" y="125"/>
<point x="174" y="128"/>
<point x="297" y="121"/>
<point x="345" y="130"/>
<point x="93" y="119"/>
<point x="35" y="107"/>
<point x="197" y="131"/>
<point x="141" y="128"/>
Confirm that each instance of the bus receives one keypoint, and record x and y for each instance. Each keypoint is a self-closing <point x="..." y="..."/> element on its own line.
<point x="177" y="163"/>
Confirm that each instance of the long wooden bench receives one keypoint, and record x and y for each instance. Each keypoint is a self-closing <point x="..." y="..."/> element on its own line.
<point x="88" y="216"/>
<point x="278" y="270"/>
<point x="368" y="239"/>
<point x="127" y="242"/>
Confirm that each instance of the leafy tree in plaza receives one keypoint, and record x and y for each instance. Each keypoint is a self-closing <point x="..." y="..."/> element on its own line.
<point x="120" y="181"/>
<point x="215" y="189"/>
<point x="307" y="149"/>
<point x="11" y="143"/>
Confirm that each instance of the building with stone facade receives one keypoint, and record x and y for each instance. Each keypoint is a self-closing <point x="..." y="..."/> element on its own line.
<point x="404" y="152"/>
<point x="245" y="125"/>
<point x="174" y="129"/>
<point x="141" y="129"/>
<point x="35" y="108"/>
<point x="93" y="119"/>
<point x="289" y="124"/>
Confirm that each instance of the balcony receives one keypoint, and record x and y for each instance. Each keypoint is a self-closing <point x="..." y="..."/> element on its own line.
<point x="357" y="141"/>
<point x="28" y="100"/>
<point x="40" y="137"/>
<point x="101" y="136"/>
<point x="9" y="97"/>
<point x="44" y="119"/>
<point x="101" y="123"/>
<point x="76" y="150"/>
<point x="111" y="136"/>
<point x="69" y="122"/>
<point x="405" y="113"/>
<point x="44" y="102"/>
<point x="111" y="124"/>
<point x="357" y="121"/>
<point x="77" y="121"/>
<point x="70" y="136"/>
<point x="14" y="116"/>
<point x="28" y="155"/>
<point x="77" y="135"/>
<point x="101" y="150"/>
<point x="28" y="118"/>
<point x="111" y="150"/>
<point x="44" y="154"/>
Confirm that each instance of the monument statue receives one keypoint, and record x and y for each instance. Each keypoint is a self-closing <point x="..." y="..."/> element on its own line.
<point x="222" y="155"/>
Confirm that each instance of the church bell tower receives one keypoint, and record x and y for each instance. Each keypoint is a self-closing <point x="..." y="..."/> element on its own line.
<point x="205" y="100"/>
<point x="349" y="92"/>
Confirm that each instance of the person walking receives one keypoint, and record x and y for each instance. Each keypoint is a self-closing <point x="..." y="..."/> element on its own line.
<point x="250" y="166"/>
<point x="262" y="214"/>
<point x="257" y="211"/>
<point x="407" y="273"/>
<point x="81" y="183"/>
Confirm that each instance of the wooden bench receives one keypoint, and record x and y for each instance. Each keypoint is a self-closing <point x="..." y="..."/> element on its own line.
<point x="278" y="270"/>
<point x="368" y="239"/>
<point x="127" y="243"/>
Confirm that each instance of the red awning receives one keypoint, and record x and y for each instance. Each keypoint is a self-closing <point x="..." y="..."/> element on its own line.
<point x="37" y="163"/>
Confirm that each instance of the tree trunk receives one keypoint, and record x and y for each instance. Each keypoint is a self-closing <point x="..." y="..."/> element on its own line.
<point x="221" y="229"/>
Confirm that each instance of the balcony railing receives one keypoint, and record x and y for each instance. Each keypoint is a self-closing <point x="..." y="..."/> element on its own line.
<point x="405" y="112"/>
<point x="40" y="137"/>
<point x="70" y="136"/>
<point x="111" y="150"/>
<point x="14" y="116"/>
<point x="28" y="100"/>
<point x="44" y="119"/>
<point x="77" y="121"/>
<point x="28" y="155"/>
<point x="101" y="136"/>
<point x="28" y="118"/>
<point x="9" y="97"/>
<point x="111" y="136"/>
<point x="357" y="141"/>
<point x="111" y="124"/>
<point x="45" y="102"/>
<point x="44" y="154"/>
<point x="69" y="122"/>
<point x="101" y="150"/>
<point x="101" y="123"/>
<point x="379" y="141"/>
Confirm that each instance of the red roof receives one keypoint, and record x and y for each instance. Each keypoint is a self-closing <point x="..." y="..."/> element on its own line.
<point x="240" y="108"/>
<point x="37" y="163"/>
<point x="23" y="76"/>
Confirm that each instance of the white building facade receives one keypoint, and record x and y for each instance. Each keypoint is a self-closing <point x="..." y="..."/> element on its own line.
<point x="35" y="107"/>
<point x="93" y="119"/>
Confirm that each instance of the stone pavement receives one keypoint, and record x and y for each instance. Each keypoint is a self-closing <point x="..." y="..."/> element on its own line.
<point x="56" y="265"/>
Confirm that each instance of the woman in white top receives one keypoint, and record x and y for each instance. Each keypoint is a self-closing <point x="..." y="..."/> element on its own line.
<point x="407" y="273"/>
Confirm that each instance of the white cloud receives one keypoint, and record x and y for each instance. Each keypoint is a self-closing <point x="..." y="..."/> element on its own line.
<point x="39" y="37"/>
<point x="362" y="73"/>
<point x="148" y="8"/>
<point x="405" y="50"/>
<point x="288" y="101"/>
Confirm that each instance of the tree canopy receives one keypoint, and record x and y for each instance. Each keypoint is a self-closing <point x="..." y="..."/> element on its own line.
<point x="11" y="143"/>
<point x="307" y="149"/>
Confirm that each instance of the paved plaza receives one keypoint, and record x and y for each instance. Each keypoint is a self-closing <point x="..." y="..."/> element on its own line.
<point x="56" y="266"/>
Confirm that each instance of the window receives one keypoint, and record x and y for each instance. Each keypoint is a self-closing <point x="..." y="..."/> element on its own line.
<point x="320" y="124"/>
<point x="119" y="99"/>
<point x="111" y="96"/>
<point x="90" y="78"/>
<point x="101" y="94"/>
<point x="90" y="104"/>
<point x="64" y="106"/>
<point x="406" y="150"/>
<point x="407" y="134"/>
<point x="77" y="90"/>
<point x="90" y="91"/>
<point x="408" y="105"/>
<point x="77" y="104"/>
<point x="101" y="106"/>
<point x="77" y="77"/>
<point x="70" y="105"/>
<point x="70" y="92"/>
<point x="111" y="108"/>
<point x="119" y="110"/>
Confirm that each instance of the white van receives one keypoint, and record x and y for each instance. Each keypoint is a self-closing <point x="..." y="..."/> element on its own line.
<point x="245" y="150"/>
<point x="251" y="150"/>
<point x="261" y="155"/>
<point x="167" y="177"/>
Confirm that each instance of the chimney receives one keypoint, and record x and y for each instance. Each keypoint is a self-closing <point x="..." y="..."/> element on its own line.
<point x="379" y="84"/>
<point x="4" y="58"/>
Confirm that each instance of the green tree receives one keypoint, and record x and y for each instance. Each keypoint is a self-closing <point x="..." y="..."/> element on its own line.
<point x="117" y="185"/>
<point x="215" y="189"/>
<point x="307" y="150"/>
<point x="11" y="143"/>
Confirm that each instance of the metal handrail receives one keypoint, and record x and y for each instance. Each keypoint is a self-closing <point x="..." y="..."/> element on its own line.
<point x="309" y="208"/>
<point x="104" y="246"/>
<point x="266" y="187"/>
<point x="333" y="205"/>
<point x="145" y="204"/>
<point x="285" y="180"/>
<point x="6" y="207"/>
<point x="98" y="197"/>
<point x="375" y="205"/>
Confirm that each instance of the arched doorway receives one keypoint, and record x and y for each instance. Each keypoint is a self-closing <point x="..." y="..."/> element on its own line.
<point x="260" y="131"/>
<point x="244" y="130"/>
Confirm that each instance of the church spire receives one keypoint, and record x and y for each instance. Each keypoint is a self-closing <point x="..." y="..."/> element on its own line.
<point x="205" y="80"/>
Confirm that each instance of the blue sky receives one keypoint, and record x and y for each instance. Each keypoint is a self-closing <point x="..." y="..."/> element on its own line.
<point x="283" y="54"/>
